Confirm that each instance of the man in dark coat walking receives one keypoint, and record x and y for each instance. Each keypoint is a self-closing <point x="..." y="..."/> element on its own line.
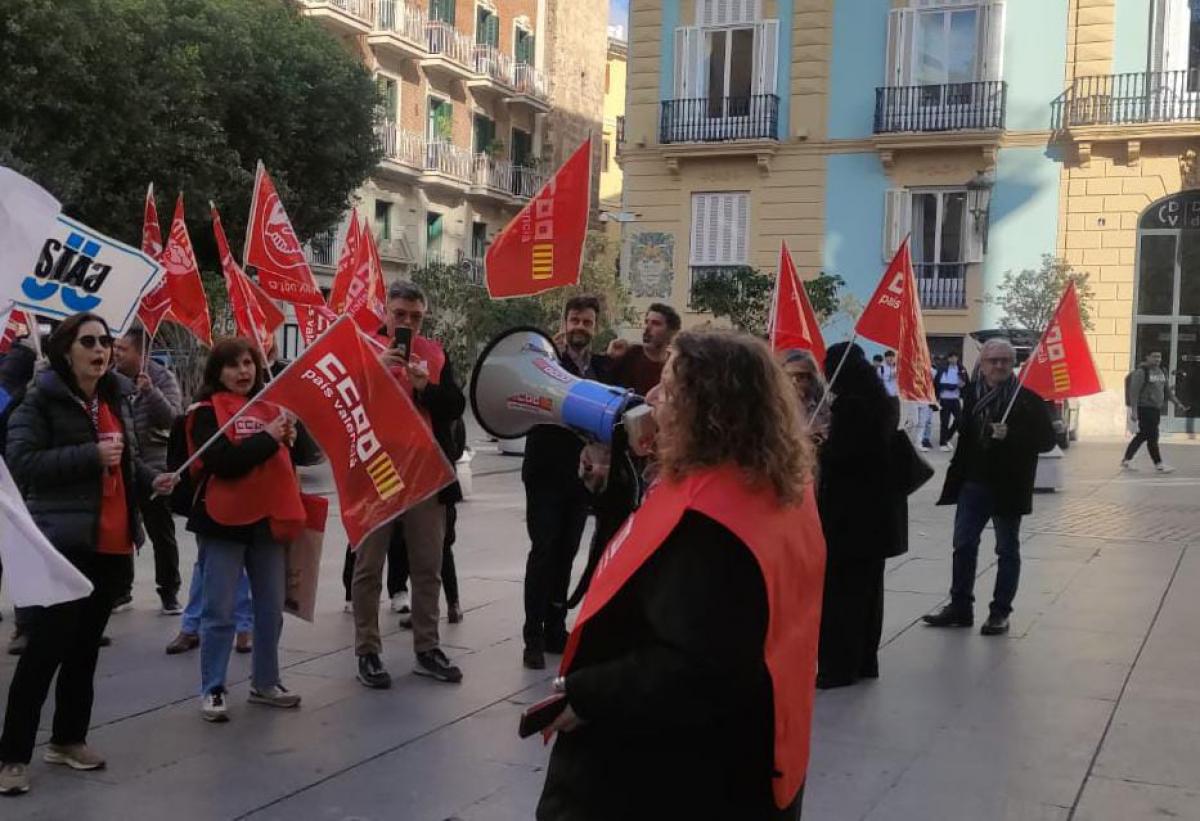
<point x="991" y="478"/>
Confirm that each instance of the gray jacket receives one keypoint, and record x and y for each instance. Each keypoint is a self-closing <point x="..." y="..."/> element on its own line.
<point x="153" y="413"/>
<point x="1149" y="388"/>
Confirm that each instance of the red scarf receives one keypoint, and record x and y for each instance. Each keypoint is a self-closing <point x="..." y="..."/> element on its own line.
<point x="789" y="546"/>
<point x="113" y="536"/>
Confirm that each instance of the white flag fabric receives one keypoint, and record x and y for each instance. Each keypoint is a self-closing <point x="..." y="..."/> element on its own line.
<point x="36" y="573"/>
<point x="56" y="267"/>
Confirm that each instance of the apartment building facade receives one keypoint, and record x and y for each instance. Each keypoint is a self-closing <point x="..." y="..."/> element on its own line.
<point x="611" y="183"/>
<point x="469" y="125"/>
<point x="992" y="131"/>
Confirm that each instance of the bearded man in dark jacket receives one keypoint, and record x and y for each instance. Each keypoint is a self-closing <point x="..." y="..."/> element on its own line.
<point x="991" y="478"/>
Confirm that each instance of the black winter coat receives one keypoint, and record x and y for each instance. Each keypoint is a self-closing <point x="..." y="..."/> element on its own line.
<point x="551" y="451"/>
<point x="1008" y="467"/>
<point x="863" y="515"/>
<point x="674" y="691"/>
<point x="16" y="372"/>
<point x="446" y="405"/>
<point x="54" y="456"/>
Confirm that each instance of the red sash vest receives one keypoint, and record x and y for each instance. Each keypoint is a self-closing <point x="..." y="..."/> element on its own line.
<point x="270" y="491"/>
<point x="789" y="547"/>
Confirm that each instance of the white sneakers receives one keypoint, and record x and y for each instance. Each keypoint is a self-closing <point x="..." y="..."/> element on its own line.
<point x="1163" y="467"/>
<point x="1127" y="465"/>
<point x="212" y="707"/>
<point x="400" y="602"/>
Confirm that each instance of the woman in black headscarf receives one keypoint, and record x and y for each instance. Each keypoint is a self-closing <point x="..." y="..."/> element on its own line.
<point x="865" y="518"/>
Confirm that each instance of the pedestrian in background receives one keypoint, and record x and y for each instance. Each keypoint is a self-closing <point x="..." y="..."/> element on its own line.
<point x="990" y="478"/>
<point x="949" y="382"/>
<point x="677" y="707"/>
<point x="1147" y="391"/>
<point x="864" y="518"/>
<point x="247" y="509"/>
<point x="156" y="403"/>
<point x="16" y="373"/>
<point x="72" y="451"/>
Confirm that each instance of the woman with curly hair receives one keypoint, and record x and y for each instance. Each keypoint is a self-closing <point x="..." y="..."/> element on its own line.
<point x="677" y="706"/>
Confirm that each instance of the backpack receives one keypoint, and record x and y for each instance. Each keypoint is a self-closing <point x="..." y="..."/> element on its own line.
<point x="1145" y="382"/>
<point x="183" y="497"/>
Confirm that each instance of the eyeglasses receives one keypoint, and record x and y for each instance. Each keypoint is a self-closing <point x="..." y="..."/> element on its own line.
<point x="92" y="341"/>
<point x="999" y="360"/>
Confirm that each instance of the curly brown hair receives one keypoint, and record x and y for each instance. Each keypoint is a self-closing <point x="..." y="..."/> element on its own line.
<point x="731" y="403"/>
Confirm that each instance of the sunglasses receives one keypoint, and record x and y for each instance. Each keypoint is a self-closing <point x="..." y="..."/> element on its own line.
<point x="92" y="341"/>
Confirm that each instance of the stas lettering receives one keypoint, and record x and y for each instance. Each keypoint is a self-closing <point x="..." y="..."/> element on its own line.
<point x="71" y="264"/>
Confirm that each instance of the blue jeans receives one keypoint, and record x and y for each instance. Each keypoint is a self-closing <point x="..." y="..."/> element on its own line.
<point x="925" y="424"/>
<point x="975" y="505"/>
<point x="263" y="562"/>
<point x="243" y="613"/>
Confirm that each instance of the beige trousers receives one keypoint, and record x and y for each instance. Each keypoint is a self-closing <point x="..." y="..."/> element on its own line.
<point x="424" y="532"/>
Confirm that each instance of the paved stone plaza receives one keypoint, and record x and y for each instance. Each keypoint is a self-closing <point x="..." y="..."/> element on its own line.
<point x="1089" y="710"/>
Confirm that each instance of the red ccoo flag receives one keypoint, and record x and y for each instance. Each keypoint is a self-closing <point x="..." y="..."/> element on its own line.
<point x="793" y="320"/>
<point x="358" y="285"/>
<point x="155" y="305"/>
<point x="542" y="248"/>
<point x="1062" y="365"/>
<point x="273" y="249"/>
<point x="189" y="305"/>
<point x="893" y="318"/>
<point x="383" y="454"/>
<point x="313" y="321"/>
<point x="253" y="313"/>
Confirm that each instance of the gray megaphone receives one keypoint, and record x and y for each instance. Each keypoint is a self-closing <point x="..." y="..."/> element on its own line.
<point x="519" y="382"/>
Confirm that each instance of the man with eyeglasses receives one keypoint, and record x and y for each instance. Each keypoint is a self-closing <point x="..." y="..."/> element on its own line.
<point x="422" y="365"/>
<point x="990" y="478"/>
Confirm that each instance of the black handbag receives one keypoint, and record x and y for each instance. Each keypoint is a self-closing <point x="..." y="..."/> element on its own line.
<point x="909" y="469"/>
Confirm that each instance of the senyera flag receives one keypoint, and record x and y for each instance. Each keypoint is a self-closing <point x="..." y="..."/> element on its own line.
<point x="542" y="248"/>
<point x="893" y="318"/>
<point x="189" y="305"/>
<point x="253" y="312"/>
<point x="358" y="283"/>
<point x="1061" y="366"/>
<point x="382" y="453"/>
<point x="273" y="249"/>
<point x="793" y="321"/>
<point x="13" y="326"/>
<point x="155" y="304"/>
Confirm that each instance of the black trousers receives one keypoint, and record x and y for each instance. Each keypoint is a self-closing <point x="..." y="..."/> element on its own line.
<point x="397" y="562"/>
<point x="1148" y="421"/>
<point x="160" y="530"/>
<point x="852" y="618"/>
<point x="22" y="616"/>
<point x="555" y="517"/>
<point x="950" y="415"/>
<point x="63" y="639"/>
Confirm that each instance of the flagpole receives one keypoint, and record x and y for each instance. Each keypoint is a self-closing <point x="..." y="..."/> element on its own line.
<point x="836" y="371"/>
<point x="1021" y="381"/>
<point x="35" y="332"/>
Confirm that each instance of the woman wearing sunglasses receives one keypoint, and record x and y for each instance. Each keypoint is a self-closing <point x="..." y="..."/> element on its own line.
<point x="71" y="450"/>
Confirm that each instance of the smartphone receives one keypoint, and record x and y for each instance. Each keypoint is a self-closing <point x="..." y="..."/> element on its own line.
<point x="541" y="715"/>
<point x="402" y="343"/>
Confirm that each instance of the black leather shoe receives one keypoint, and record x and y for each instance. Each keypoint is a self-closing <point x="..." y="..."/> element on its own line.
<point x="995" y="626"/>
<point x="950" y="616"/>
<point x="556" y="642"/>
<point x="534" y="659"/>
<point x="372" y="673"/>
<point x="827" y="682"/>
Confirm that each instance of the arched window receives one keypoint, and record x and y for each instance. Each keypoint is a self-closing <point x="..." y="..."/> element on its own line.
<point x="1167" y="296"/>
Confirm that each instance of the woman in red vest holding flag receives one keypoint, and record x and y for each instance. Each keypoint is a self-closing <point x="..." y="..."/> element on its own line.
<point x="247" y="508"/>
<point x="689" y="677"/>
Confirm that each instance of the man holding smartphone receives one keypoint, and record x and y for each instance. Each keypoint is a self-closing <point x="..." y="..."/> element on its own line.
<point x="422" y="364"/>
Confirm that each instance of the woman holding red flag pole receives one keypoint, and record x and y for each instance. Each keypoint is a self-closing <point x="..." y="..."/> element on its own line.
<point x="674" y="708"/>
<point x="247" y="508"/>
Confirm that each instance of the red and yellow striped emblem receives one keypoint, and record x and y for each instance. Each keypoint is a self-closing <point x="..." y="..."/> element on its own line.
<point x="384" y="475"/>
<point x="543" y="260"/>
<point x="1061" y="376"/>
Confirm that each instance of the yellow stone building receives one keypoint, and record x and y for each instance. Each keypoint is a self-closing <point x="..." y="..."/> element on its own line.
<point x="994" y="131"/>
<point x="611" y="181"/>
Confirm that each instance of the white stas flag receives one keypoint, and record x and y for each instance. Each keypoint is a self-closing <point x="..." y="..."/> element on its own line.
<point x="37" y="574"/>
<point x="54" y="266"/>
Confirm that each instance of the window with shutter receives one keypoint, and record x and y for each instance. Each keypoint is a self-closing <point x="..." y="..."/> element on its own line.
<point x="897" y="218"/>
<point x="991" y="41"/>
<point x="442" y="10"/>
<point x="900" y="47"/>
<point x="523" y="48"/>
<point x="720" y="225"/>
<point x="688" y="62"/>
<point x="766" y="53"/>
<point x="727" y="12"/>
<point x="1175" y="36"/>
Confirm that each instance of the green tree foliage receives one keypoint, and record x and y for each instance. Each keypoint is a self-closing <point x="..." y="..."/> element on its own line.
<point x="100" y="97"/>
<point x="1029" y="298"/>
<point x="464" y="318"/>
<point x="743" y="297"/>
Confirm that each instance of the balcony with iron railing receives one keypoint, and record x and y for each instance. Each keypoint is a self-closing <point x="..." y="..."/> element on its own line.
<point x="526" y="181"/>
<point x="400" y="28"/>
<point x="938" y="108"/>
<point x="352" y="17"/>
<point x="322" y="250"/>
<point x="447" y="164"/>
<point x="494" y="70"/>
<point x="719" y="119"/>
<point x="451" y="52"/>
<point x="530" y="87"/>
<point x="491" y="177"/>
<point x="1130" y="99"/>
<point x="403" y="151"/>
<point x="941" y="286"/>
